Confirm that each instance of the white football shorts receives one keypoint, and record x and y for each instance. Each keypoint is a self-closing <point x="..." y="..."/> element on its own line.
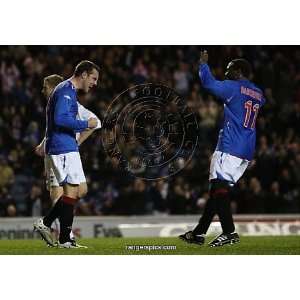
<point x="63" y="168"/>
<point x="227" y="167"/>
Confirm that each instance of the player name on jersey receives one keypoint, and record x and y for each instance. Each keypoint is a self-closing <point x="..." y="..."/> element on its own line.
<point x="251" y="93"/>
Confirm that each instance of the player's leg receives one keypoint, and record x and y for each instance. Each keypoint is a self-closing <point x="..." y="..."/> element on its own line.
<point x="225" y="170"/>
<point x="53" y="216"/>
<point x="197" y="236"/>
<point x="220" y="192"/>
<point x="74" y="187"/>
<point x="66" y="217"/>
<point x="232" y="169"/>
<point x="218" y="203"/>
<point x="55" y="193"/>
<point x="83" y="189"/>
<point x="69" y="199"/>
<point x="55" y="167"/>
<point x="43" y="225"/>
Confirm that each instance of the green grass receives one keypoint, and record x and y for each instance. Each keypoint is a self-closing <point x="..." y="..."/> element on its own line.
<point x="248" y="245"/>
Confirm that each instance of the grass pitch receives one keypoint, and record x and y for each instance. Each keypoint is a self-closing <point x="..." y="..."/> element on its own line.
<point x="269" y="245"/>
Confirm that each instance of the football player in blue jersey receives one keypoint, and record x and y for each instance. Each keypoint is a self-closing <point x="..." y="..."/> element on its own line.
<point x="55" y="190"/>
<point x="235" y="148"/>
<point x="61" y="148"/>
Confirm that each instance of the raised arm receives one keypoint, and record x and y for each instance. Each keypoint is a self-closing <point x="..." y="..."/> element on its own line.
<point x="221" y="89"/>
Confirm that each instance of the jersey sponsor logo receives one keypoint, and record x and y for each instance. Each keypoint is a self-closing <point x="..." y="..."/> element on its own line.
<point x="249" y="92"/>
<point x="67" y="96"/>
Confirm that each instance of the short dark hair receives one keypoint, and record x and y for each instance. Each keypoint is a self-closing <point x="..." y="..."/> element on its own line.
<point x="85" y="66"/>
<point x="54" y="79"/>
<point x="243" y="65"/>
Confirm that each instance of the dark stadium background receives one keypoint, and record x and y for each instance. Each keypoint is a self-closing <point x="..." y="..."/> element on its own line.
<point x="271" y="185"/>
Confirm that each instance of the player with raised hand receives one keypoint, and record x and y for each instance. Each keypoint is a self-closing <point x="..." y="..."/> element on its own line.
<point x="61" y="148"/>
<point x="55" y="190"/>
<point x="235" y="148"/>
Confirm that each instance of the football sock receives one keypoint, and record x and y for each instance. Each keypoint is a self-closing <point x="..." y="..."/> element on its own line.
<point x="206" y="218"/>
<point x="57" y="230"/>
<point x="54" y="213"/>
<point x="218" y="203"/>
<point x="66" y="218"/>
<point x="224" y="210"/>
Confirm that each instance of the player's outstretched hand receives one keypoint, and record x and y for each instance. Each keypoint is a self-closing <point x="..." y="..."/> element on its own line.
<point x="92" y="122"/>
<point x="39" y="150"/>
<point x="203" y="57"/>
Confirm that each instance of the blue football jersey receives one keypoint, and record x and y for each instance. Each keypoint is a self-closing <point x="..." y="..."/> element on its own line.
<point x="242" y="102"/>
<point x="61" y="122"/>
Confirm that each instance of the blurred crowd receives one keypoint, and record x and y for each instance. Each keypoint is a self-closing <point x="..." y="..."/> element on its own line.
<point x="271" y="185"/>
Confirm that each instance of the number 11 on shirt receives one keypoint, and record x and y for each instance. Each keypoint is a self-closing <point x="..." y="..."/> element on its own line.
<point x="249" y="109"/>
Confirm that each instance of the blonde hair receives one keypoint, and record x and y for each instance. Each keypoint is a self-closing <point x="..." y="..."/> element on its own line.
<point x="54" y="79"/>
